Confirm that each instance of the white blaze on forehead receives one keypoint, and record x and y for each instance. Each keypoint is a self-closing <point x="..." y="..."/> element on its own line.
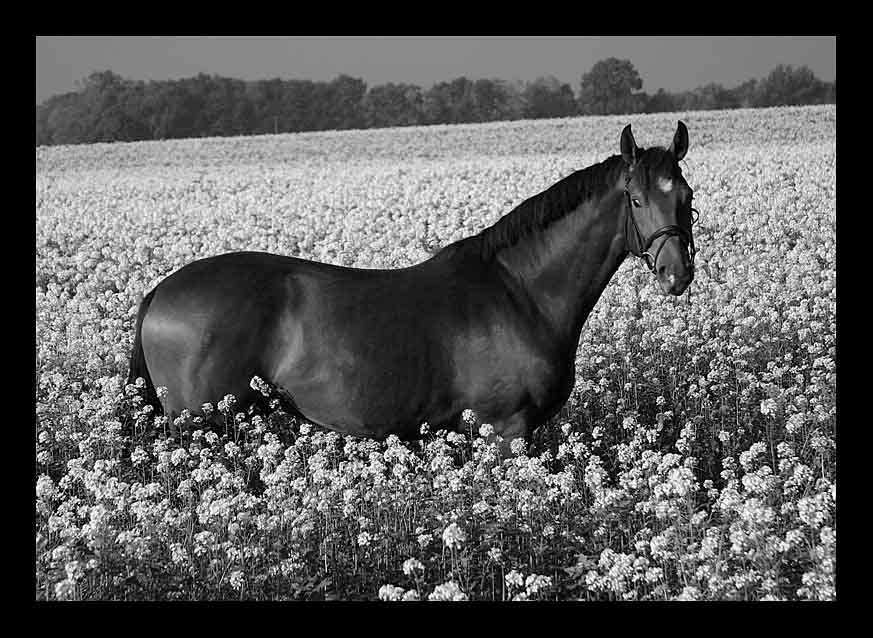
<point x="665" y="184"/>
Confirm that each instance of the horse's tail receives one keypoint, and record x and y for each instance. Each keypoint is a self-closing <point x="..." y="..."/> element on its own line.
<point x="138" y="367"/>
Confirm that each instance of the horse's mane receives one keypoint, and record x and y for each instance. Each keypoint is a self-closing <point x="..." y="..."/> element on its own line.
<point x="538" y="212"/>
<point x="561" y="198"/>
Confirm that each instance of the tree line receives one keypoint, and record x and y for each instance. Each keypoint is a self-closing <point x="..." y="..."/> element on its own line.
<point x="109" y="108"/>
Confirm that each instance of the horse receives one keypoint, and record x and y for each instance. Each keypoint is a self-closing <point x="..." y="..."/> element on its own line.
<point x="491" y="322"/>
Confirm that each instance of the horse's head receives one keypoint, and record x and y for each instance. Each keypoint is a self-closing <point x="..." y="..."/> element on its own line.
<point x="658" y="209"/>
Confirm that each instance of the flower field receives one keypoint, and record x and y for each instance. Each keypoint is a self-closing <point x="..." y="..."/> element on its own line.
<point x="695" y="459"/>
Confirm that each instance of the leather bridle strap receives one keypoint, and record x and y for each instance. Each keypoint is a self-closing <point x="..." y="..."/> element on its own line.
<point x="641" y="248"/>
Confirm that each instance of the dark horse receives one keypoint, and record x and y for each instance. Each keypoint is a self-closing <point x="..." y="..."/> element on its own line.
<point x="491" y="322"/>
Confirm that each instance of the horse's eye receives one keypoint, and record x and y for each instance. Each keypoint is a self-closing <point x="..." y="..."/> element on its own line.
<point x="636" y="202"/>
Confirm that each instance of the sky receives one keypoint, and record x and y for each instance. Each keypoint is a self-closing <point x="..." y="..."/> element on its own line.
<point x="674" y="63"/>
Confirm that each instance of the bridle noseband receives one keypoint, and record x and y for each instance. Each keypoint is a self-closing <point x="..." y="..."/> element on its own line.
<point x="642" y="247"/>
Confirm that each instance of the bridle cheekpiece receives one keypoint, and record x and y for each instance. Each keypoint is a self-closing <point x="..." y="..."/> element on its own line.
<point x="641" y="248"/>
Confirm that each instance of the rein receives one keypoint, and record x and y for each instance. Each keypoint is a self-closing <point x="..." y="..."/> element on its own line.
<point x="642" y="247"/>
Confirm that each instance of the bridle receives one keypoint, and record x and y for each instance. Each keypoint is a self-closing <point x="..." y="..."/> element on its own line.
<point x="641" y="248"/>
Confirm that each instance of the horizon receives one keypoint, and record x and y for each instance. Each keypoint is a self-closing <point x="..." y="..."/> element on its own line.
<point x="675" y="64"/>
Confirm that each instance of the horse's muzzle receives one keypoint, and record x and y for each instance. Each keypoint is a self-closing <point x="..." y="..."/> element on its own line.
<point x="675" y="279"/>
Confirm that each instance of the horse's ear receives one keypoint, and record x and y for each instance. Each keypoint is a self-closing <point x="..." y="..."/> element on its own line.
<point x="628" y="146"/>
<point x="680" y="141"/>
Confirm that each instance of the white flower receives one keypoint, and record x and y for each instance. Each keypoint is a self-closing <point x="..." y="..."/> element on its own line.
<point x="139" y="455"/>
<point x="480" y="507"/>
<point x="514" y="579"/>
<point x="689" y="593"/>
<point x="768" y="406"/>
<point x="453" y="536"/>
<point x="794" y="425"/>
<point x="518" y="446"/>
<point x="178" y="554"/>
<point x="447" y="591"/>
<point x="390" y="592"/>
<point x="535" y="583"/>
<point x="237" y="580"/>
<point x="257" y="383"/>
<point x="411" y="566"/>
<point x="227" y="403"/>
<point x="45" y="488"/>
<point x="178" y="456"/>
<point x="455" y="438"/>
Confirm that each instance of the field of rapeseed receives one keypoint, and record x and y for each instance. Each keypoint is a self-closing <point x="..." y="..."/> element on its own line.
<point x="695" y="459"/>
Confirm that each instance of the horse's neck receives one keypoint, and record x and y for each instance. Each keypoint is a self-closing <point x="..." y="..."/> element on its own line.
<point x="565" y="267"/>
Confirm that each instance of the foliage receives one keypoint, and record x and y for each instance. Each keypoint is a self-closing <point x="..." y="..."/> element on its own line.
<point x="393" y="105"/>
<point x="696" y="457"/>
<point x="547" y="97"/>
<point x="109" y="108"/>
<point x="787" y="85"/>
<point x="609" y="88"/>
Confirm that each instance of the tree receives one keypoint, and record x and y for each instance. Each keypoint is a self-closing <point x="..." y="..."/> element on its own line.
<point x="463" y="101"/>
<point x="243" y="115"/>
<point x="746" y="94"/>
<point x="609" y="87"/>
<point x="437" y="104"/>
<point x="299" y="110"/>
<point x="63" y="117"/>
<point x="135" y="124"/>
<point x="43" y="134"/>
<point x="266" y="97"/>
<point x="451" y="102"/>
<point x="102" y="111"/>
<point x="235" y="114"/>
<point x="221" y="98"/>
<point x="661" y="102"/>
<point x="393" y="105"/>
<point x="173" y="109"/>
<point x="515" y="104"/>
<point x="340" y="102"/>
<point x="786" y="85"/>
<point x="493" y="100"/>
<point x="547" y="97"/>
<point x="712" y="96"/>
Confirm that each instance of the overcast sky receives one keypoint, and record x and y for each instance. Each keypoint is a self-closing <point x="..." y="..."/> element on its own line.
<point x="673" y="63"/>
